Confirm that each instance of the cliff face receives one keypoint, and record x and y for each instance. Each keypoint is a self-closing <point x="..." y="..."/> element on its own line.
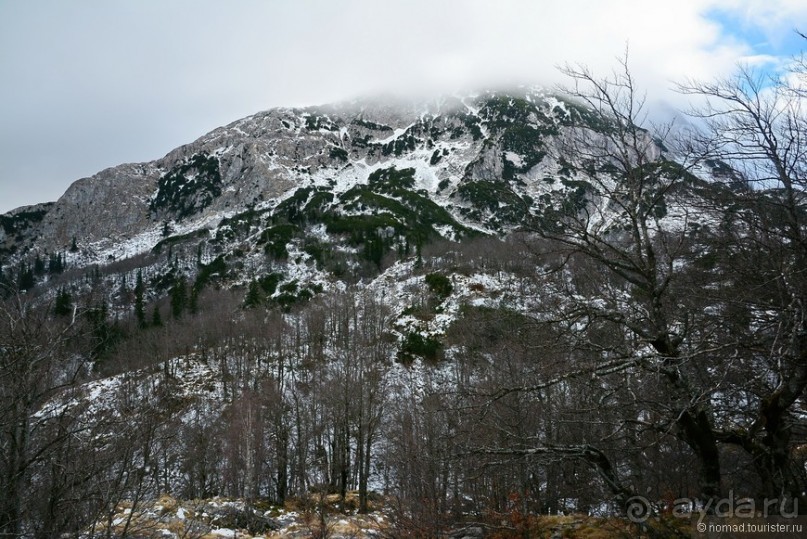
<point x="110" y="205"/>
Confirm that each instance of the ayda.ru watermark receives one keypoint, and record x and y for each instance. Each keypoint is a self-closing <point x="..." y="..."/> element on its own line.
<point x="639" y="508"/>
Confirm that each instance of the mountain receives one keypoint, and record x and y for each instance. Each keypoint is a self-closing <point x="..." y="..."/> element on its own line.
<point x="385" y="173"/>
<point x="482" y="307"/>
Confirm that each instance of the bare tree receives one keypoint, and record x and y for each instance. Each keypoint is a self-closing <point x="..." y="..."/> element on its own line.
<point x="620" y="234"/>
<point x="37" y="361"/>
<point x="757" y="124"/>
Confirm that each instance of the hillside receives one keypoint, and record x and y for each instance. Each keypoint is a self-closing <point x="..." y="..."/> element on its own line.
<point x="463" y="313"/>
<point x="320" y="195"/>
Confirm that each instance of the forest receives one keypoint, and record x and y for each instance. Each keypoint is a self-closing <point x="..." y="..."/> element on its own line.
<point x="647" y="344"/>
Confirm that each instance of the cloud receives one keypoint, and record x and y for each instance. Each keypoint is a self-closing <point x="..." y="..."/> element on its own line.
<point x="774" y="17"/>
<point x="90" y="84"/>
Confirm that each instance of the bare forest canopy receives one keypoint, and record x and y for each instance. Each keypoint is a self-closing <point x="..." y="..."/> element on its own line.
<point x="464" y="350"/>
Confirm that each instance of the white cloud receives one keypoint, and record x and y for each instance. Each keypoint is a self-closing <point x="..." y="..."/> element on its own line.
<point x="774" y="17"/>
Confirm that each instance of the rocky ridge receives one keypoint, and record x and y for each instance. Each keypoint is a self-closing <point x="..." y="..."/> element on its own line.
<point x="260" y="160"/>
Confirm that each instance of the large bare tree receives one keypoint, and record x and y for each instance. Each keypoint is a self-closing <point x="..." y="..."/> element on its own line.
<point x="757" y="123"/>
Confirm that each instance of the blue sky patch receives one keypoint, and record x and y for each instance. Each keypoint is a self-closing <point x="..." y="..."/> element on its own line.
<point x="763" y="40"/>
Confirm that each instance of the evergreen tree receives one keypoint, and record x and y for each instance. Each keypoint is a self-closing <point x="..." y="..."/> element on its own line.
<point x="25" y="277"/>
<point x="6" y="284"/>
<point x="179" y="297"/>
<point x="254" y="295"/>
<point x="140" y="313"/>
<point x="39" y="266"/>
<point x="156" y="319"/>
<point x="63" y="305"/>
<point x="56" y="263"/>
<point x="104" y="334"/>
<point x="193" y="305"/>
<point x="94" y="276"/>
<point x="374" y="249"/>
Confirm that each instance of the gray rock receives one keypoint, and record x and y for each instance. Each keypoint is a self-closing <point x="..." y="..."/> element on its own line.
<point x="470" y="532"/>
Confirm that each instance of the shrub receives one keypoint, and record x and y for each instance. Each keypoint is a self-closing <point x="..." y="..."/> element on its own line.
<point x="415" y="344"/>
<point x="440" y="285"/>
<point x="276" y="238"/>
<point x="189" y="187"/>
<point x="338" y="153"/>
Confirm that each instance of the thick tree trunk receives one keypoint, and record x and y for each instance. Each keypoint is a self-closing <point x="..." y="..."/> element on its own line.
<point x="696" y="431"/>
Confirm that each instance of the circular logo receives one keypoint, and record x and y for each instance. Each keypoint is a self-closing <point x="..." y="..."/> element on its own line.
<point x="639" y="509"/>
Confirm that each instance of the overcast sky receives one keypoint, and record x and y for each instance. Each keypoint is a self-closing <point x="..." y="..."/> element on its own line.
<point x="85" y="85"/>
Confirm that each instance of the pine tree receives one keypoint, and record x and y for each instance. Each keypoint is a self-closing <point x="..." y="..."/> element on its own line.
<point x="94" y="276"/>
<point x="156" y="319"/>
<point x="140" y="313"/>
<point x="63" y="305"/>
<point x="179" y="297"/>
<point x="104" y="334"/>
<point x="254" y="296"/>
<point x="193" y="305"/>
<point x="25" y="277"/>
<point x="56" y="263"/>
<point x="39" y="266"/>
<point x="374" y="249"/>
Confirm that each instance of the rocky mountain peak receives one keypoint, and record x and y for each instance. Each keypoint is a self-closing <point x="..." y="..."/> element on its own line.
<point x="384" y="172"/>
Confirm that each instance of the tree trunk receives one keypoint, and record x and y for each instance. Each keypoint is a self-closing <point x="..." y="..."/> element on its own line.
<point x="696" y="431"/>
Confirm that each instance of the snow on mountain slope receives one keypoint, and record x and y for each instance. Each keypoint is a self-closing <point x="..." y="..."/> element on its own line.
<point x="265" y="157"/>
<point x="265" y="309"/>
<point x="293" y="202"/>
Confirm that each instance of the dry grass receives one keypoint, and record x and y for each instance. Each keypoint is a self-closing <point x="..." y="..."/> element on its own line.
<point x="587" y="527"/>
<point x="327" y="515"/>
